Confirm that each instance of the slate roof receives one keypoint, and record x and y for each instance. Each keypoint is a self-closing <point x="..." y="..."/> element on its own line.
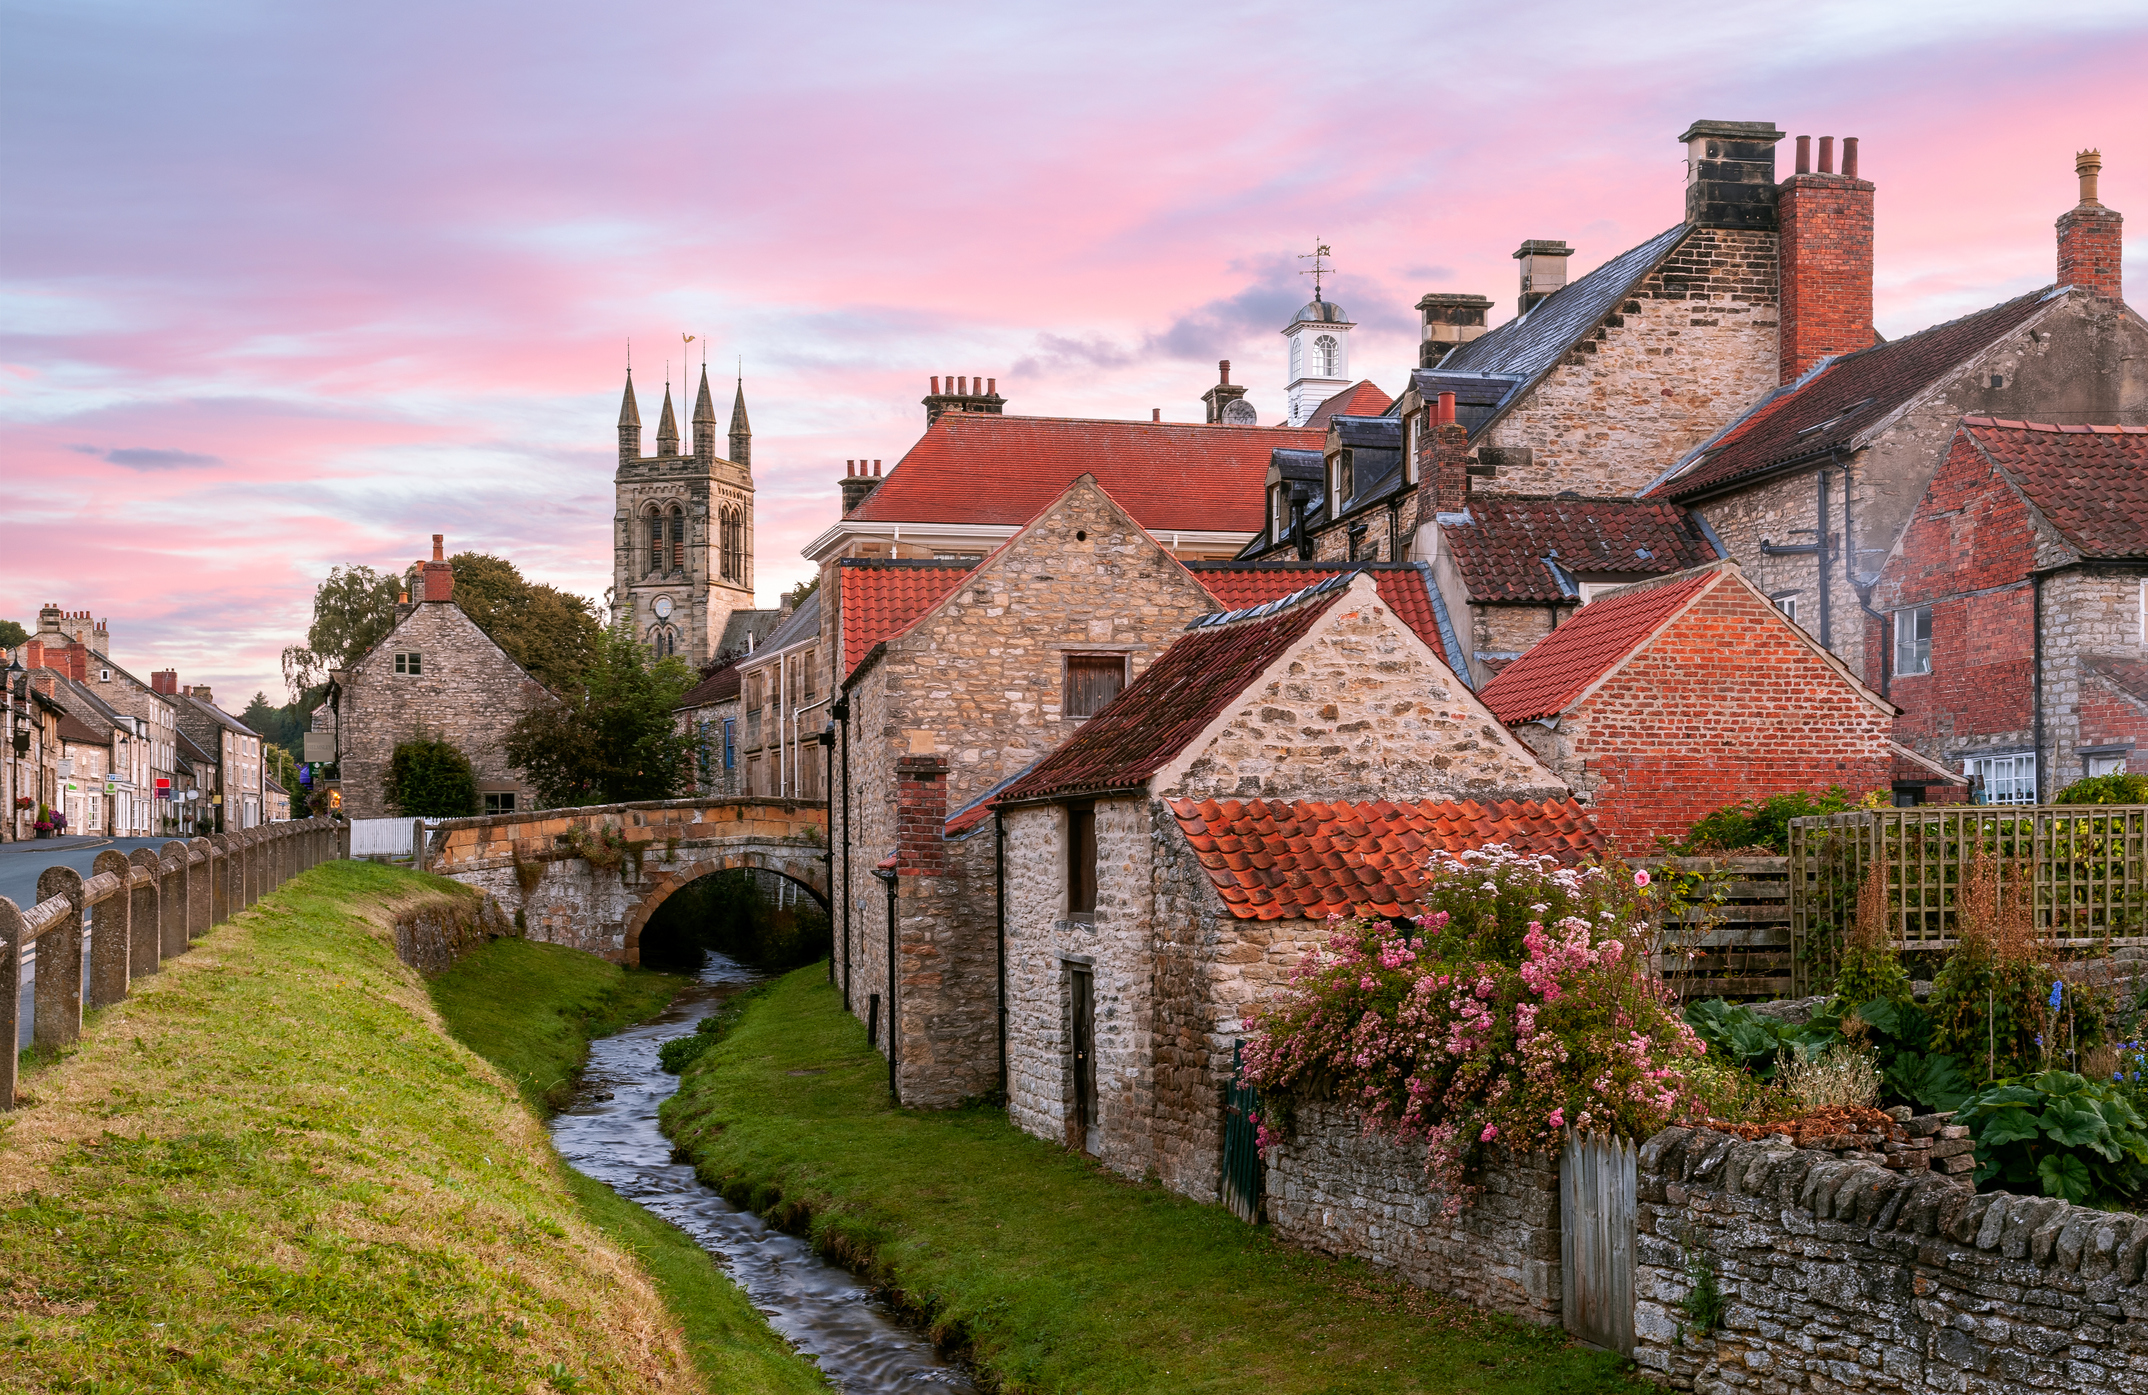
<point x="1270" y="860"/>
<point x="721" y="685"/>
<point x="1174" y="699"/>
<point x="983" y="468"/>
<point x="2089" y="482"/>
<point x="1838" y="405"/>
<point x="1562" y="665"/>
<point x="1511" y="543"/>
<point x="881" y="598"/>
<point x="1406" y="587"/>
<point x="1297" y="465"/>
<point x="1477" y="396"/>
<point x="1361" y="399"/>
<point x="802" y="624"/>
<point x="744" y="624"/>
<point x="1529" y="345"/>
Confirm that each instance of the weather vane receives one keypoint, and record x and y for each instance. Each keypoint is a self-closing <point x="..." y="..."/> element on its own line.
<point x="1317" y="270"/>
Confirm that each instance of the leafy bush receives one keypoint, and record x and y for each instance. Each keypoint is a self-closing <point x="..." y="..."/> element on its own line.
<point x="1765" y="824"/>
<point x="430" y="779"/>
<point x="2062" y="1135"/>
<point x="1519" y="1004"/>
<point x="680" y="1052"/>
<point x="1988" y="1005"/>
<point x="1897" y="1036"/>
<point x="1740" y="1036"/>
<point x="2105" y="789"/>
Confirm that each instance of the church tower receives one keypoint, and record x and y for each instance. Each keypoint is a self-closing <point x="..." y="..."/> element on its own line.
<point x="682" y="533"/>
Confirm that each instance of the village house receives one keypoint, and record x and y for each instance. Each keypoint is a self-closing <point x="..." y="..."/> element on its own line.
<point x="435" y="676"/>
<point x="1168" y="865"/>
<point x="2011" y="614"/>
<point x="1661" y="702"/>
<point x="783" y="700"/>
<point x="231" y="773"/>
<point x="34" y="752"/>
<point x="80" y="647"/>
<point x="1812" y="487"/>
<point x="708" y="717"/>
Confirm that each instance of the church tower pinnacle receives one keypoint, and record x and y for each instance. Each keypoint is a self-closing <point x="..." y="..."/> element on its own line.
<point x="741" y="433"/>
<point x="629" y="423"/>
<point x="704" y="419"/>
<point x="667" y="427"/>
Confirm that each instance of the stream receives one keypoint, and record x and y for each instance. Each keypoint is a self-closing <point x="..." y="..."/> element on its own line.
<point x="610" y="1134"/>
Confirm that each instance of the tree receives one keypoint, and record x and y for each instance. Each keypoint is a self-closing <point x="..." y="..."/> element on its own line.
<point x="12" y="634"/>
<point x="612" y="739"/>
<point x="550" y="632"/>
<point x="283" y="769"/>
<point x="795" y="597"/>
<point x="428" y="778"/>
<point x="285" y="725"/>
<point x="352" y="610"/>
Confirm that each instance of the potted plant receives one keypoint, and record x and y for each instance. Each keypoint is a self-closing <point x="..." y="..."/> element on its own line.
<point x="44" y="822"/>
<point x="59" y="823"/>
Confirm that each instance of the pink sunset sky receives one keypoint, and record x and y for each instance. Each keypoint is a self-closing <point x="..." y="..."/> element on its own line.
<point x="288" y="286"/>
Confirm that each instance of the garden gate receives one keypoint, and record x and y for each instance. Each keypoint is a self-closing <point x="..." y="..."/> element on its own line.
<point x="1598" y="1181"/>
<point x="1241" y="1154"/>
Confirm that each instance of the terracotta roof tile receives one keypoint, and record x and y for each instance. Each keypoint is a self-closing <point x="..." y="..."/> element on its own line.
<point x="2129" y="675"/>
<point x="2090" y="482"/>
<point x="1361" y="399"/>
<point x="982" y="468"/>
<point x="720" y="685"/>
<point x="1502" y="550"/>
<point x="1269" y="860"/>
<point x="881" y="598"/>
<point x="1832" y="407"/>
<point x="1565" y="662"/>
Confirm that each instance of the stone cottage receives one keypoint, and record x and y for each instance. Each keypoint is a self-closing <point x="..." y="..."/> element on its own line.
<point x="1664" y="701"/>
<point x="2011" y="615"/>
<point x="1170" y="863"/>
<point x="436" y="675"/>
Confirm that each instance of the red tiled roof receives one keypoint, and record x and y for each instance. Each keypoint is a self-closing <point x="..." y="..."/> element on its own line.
<point x="2091" y="482"/>
<point x="1501" y="551"/>
<point x="1169" y="704"/>
<point x="73" y="728"/>
<point x="1406" y="590"/>
<point x="982" y="468"/>
<point x="1360" y="399"/>
<point x="1565" y="662"/>
<point x="1844" y="399"/>
<point x="1270" y="860"/>
<point x="881" y="598"/>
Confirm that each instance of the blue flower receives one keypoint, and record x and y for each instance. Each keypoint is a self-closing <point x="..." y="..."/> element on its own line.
<point x="2057" y="988"/>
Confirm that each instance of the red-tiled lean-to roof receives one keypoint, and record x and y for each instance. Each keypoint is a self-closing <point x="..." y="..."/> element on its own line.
<point x="2089" y="482"/>
<point x="1361" y="399"/>
<point x="1562" y="665"/>
<point x="880" y="599"/>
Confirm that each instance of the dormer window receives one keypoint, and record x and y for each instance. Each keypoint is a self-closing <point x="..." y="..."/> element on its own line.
<point x="1278" y="513"/>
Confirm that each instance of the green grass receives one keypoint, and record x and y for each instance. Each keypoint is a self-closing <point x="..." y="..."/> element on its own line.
<point x="531" y="1010"/>
<point x="1062" y="1277"/>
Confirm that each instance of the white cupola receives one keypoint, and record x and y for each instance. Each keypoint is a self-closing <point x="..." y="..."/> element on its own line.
<point x="1319" y="336"/>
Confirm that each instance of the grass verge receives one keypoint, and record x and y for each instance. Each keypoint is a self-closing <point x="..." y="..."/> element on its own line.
<point x="1057" y="1275"/>
<point x="532" y="1010"/>
<point x="271" y="1169"/>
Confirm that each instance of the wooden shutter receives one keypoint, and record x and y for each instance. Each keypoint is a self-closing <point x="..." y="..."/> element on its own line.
<point x="1092" y="681"/>
<point x="1081" y="859"/>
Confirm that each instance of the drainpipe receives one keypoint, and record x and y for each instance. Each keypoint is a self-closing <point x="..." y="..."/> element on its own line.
<point x="1817" y="550"/>
<point x="999" y="853"/>
<point x="2036" y="590"/>
<point x="887" y="875"/>
<point x="826" y="737"/>
<point x="841" y="712"/>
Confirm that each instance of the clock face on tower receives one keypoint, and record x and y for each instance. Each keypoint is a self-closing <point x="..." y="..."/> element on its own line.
<point x="663" y="607"/>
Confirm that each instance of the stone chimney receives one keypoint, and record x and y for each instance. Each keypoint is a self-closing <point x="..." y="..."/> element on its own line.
<point x="165" y="681"/>
<point x="960" y="398"/>
<point x="1450" y="321"/>
<point x="1543" y="270"/>
<point x="1825" y="270"/>
<point x="439" y="577"/>
<point x="1218" y="399"/>
<point x="2090" y="237"/>
<point x="200" y="691"/>
<point x="1730" y="174"/>
<point x="858" y="484"/>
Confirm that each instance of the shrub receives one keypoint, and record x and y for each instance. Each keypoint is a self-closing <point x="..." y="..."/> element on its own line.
<point x="680" y="1052"/>
<point x="1839" y="1078"/>
<point x="430" y="779"/>
<point x="1988" y="1005"/>
<point x="1766" y="823"/>
<point x="2062" y="1135"/>
<point x="2105" y="789"/>
<point x="1870" y="968"/>
<point x="1520" y="1004"/>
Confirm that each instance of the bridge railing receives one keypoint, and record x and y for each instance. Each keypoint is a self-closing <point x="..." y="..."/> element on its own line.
<point x="130" y="914"/>
<point x="453" y="844"/>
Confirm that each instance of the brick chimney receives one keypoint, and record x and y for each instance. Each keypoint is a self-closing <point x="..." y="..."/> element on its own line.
<point x="960" y="398"/>
<point x="1826" y="260"/>
<point x="1543" y="270"/>
<point x="2090" y="236"/>
<point x="858" y="484"/>
<point x="920" y="816"/>
<point x="1448" y="473"/>
<point x="165" y="681"/>
<point x="1450" y="321"/>
<point x="1730" y="174"/>
<point x="439" y="577"/>
<point x="1223" y="394"/>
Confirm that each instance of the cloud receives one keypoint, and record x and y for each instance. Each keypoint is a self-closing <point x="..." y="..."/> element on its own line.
<point x="137" y="458"/>
<point x="1058" y="353"/>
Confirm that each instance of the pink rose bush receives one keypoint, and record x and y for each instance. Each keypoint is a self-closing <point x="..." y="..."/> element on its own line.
<point x="1519" y="1004"/>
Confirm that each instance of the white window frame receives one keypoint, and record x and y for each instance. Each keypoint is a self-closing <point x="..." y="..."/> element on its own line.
<point x="2007" y="779"/>
<point x="1787" y="604"/>
<point x="1278" y="509"/>
<point x="1327" y="356"/>
<point x="2106" y="763"/>
<point x="1413" y="446"/>
<point x="1920" y="660"/>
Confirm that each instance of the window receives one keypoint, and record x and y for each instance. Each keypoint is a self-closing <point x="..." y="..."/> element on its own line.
<point x="655" y="525"/>
<point x="678" y="539"/>
<point x="1416" y="443"/>
<point x="407" y="662"/>
<point x="1786" y="603"/>
<point x="730" y="743"/>
<point x="1278" y="513"/>
<point x="1081" y="860"/>
<point x="1092" y="681"/>
<point x="1913" y="640"/>
<point x="1327" y="356"/>
<point x="2105" y="763"/>
<point x="1335" y="484"/>
<point x="732" y="540"/>
<point x="499" y="801"/>
<point x="2006" y="779"/>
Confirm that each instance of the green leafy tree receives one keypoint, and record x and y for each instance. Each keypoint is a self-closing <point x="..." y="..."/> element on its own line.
<point x="286" y="725"/>
<point x="12" y="634"/>
<point x="430" y="779"/>
<point x="282" y="767"/>
<point x="352" y="610"/>
<point x="550" y="632"/>
<point x="614" y="738"/>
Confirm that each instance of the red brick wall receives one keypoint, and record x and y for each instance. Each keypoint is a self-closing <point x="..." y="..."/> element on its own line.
<point x="920" y="816"/>
<point x="1726" y="704"/>
<point x="2108" y="716"/>
<point x="1826" y="284"/>
<point x="2091" y="247"/>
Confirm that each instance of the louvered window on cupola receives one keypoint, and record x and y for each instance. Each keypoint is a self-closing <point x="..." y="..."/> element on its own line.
<point x="1092" y="680"/>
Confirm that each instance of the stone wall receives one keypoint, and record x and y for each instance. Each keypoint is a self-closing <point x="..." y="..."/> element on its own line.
<point x="2093" y="639"/>
<point x="1334" y="1189"/>
<point x="433" y="934"/>
<point x="1841" y="1275"/>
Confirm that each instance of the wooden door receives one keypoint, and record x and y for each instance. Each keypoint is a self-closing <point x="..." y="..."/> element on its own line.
<point x="1598" y="1177"/>
<point x="1081" y="1127"/>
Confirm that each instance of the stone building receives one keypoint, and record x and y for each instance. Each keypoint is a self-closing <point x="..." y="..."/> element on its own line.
<point x="956" y="676"/>
<point x="682" y="545"/>
<point x="2030" y="541"/>
<point x="1169" y="864"/>
<point x="80" y="647"/>
<point x="784" y="694"/>
<point x="1662" y="702"/>
<point x="232" y="781"/>
<point x="435" y="675"/>
<point x="709" y="716"/>
<point x="1811" y="488"/>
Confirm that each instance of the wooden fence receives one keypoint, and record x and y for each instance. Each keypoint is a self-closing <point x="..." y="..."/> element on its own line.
<point x="1731" y="936"/>
<point x="2083" y="869"/>
<point x="131" y="913"/>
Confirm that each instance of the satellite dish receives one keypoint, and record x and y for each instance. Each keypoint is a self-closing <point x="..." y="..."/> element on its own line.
<point x="1239" y="412"/>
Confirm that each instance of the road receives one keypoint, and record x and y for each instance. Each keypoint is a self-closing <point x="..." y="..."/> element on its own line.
<point x="20" y="864"/>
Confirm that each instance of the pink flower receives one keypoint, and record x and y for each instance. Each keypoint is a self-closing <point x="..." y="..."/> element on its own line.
<point x="1640" y="878"/>
<point x="1491" y="1131"/>
<point x="1557" y="1118"/>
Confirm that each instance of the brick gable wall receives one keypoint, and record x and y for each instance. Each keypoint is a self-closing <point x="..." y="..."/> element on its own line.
<point x="1726" y="704"/>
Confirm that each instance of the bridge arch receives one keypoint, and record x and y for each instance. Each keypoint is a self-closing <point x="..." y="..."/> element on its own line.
<point x="812" y="878"/>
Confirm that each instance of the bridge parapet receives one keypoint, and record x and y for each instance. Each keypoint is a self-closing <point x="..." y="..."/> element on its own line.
<point x="495" y="840"/>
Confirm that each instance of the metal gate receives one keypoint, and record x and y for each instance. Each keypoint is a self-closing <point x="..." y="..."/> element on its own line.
<point x="1242" y="1175"/>
<point x="1597" y="1182"/>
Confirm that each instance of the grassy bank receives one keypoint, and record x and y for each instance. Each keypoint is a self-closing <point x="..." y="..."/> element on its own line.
<point x="271" y="1169"/>
<point x="1062" y="1277"/>
<point x="532" y="1010"/>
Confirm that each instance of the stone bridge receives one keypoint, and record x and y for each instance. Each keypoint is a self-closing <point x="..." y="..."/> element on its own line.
<point x="590" y="877"/>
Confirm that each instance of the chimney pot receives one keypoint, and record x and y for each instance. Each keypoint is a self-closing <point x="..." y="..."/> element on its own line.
<point x="2087" y="166"/>
<point x="1223" y="366"/>
<point x="438" y="555"/>
<point x="876" y="469"/>
<point x="991" y="387"/>
<point x="1155" y="414"/>
<point x="1804" y="154"/>
<point x="1446" y="408"/>
<point x="935" y="386"/>
<point x="1827" y="154"/>
<point x="2091" y="237"/>
<point x="1849" y="157"/>
<point x="962" y="386"/>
